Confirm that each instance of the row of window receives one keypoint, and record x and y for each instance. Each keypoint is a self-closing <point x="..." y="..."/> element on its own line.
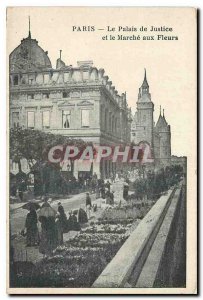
<point x="31" y="96"/>
<point x="16" y="80"/>
<point x="66" y="119"/>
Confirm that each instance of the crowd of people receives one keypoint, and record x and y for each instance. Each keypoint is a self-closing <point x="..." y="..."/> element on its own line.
<point x="54" y="223"/>
<point x="21" y="187"/>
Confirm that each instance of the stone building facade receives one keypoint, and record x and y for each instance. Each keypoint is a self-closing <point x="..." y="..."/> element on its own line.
<point x="144" y="129"/>
<point x="78" y="102"/>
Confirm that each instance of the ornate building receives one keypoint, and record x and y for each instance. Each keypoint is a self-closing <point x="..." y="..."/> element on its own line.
<point x="143" y="127"/>
<point x="79" y="102"/>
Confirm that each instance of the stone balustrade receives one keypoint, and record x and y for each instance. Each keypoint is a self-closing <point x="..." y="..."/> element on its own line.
<point x="137" y="262"/>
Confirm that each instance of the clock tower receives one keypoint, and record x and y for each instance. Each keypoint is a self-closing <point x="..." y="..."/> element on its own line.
<point x="145" y="109"/>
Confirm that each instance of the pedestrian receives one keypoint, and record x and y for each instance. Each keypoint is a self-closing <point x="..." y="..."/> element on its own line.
<point x="59" y="229"/>
<point x="102" y="189"/>
<point x="112" y="198"/>
<point x="108" y="198"/>
<point x="32" y="234"/>
<point x="21" y="190"/>
<point x="48" y="238"/>
<point x="63" y="216"/>
<point x="125" y="190"/>
<point x="82" y="216"/>
<point x="88" y="205"/>
<point x="73" y="222"/>
<point x="108" y="185"/>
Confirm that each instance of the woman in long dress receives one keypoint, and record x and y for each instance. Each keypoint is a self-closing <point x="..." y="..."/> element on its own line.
<point x="59" y="229"/>
<point x="63" y="218"/>
<point x="48" y="238"/>
<point x="31" y="228"/>
<point x="125" y="190"/>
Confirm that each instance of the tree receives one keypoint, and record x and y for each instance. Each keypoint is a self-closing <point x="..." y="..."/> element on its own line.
<point x="34" y="146"/>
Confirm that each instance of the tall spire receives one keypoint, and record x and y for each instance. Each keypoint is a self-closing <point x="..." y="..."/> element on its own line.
<point x="60" y="53"/>
<point x="145" y="75"/>
<point x="145" y="83"/>
<point x="161" y="123"/>
<point x="144" y="89"/>
<point x="29" y="35"/>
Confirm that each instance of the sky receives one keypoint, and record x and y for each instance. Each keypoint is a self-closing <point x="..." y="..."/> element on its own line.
<point x="170" y="64"/>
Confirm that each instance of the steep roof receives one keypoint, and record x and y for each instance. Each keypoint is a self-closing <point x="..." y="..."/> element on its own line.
<point x="144" y="95"/>
<point x="161" y="123"/>
<point x="145" y="83"/>
<point x="29" y="56"/>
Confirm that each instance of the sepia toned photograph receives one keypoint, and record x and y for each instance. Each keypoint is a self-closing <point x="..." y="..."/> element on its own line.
<point x="101" y="130"/>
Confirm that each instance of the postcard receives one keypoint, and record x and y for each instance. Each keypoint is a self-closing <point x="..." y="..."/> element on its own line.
<point x="102" y="150"/>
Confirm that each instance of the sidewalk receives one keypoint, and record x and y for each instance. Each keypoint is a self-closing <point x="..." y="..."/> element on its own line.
<point x="14" y="206"/>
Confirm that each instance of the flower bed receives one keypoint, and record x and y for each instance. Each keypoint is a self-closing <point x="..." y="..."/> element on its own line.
<point x="124" y="215"/>
<point x="76" y="264"/>
<point x="106" y="228"/>
<point x="82" y="259"/>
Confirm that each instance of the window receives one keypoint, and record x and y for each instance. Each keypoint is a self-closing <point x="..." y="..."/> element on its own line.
<point x="30" y="81"/>
<point x="66" y="118"/>
<point x="144" y="118"/>
<point x="30" y="119"/>
<point x="30" y="96"/>
<point x="65" y="95"/>
<point x="15" y="119"/>
<point x="46" y="95"/>
<point x="85" y="118"/>
<point x="15" y="80"/>
<point x="46" y="119"/>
